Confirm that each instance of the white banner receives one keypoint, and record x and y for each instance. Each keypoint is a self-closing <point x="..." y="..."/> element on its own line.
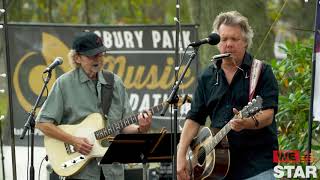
<point x="316" y="99"/>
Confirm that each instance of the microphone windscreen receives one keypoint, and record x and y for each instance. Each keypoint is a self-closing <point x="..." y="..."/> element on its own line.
<point x="214" y="38"/>
<point x="60" y="60"/>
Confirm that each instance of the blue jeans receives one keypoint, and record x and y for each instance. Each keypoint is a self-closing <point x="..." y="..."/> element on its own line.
<point x="265" y="175"/>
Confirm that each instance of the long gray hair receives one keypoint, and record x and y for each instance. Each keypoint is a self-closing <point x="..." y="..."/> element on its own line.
<point x="234" y="18"/>
<point x="72" y="58"/>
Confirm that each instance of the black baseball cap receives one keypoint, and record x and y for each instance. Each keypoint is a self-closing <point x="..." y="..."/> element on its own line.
<point x="88" y="44"/>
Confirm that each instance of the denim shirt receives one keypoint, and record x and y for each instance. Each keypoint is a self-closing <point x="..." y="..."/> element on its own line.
<point x="72" y="98"/>
<point x="214" y="97"/>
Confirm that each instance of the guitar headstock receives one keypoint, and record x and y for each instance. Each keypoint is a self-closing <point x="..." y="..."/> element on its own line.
<point x="180" y="100"/>
<point x="252" y="108"/>
<point x="184" y="99"/>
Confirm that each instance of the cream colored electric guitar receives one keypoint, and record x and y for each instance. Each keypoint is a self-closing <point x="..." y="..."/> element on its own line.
<point x="65" y="161"/>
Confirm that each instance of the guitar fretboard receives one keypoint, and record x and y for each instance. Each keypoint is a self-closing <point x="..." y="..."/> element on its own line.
<point x="247" y="111"/>
<point x="115" y="127"/>
<point x="218" y="137"/>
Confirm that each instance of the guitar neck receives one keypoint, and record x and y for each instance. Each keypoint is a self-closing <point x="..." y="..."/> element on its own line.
<point x="245" y="112"/>
<point x="115" y="127"/>
<point x="219" y="136"/>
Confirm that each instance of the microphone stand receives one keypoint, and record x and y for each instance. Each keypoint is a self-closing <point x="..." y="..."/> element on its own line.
<point x="172" y="99"/>
<point x="30" y="124"/>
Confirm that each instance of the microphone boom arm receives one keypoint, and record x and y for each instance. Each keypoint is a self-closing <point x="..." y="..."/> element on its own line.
<point x="173" y="94"/>
<point x="30" y="123"/>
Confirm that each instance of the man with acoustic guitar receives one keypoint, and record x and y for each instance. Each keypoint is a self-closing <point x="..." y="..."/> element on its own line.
<point x="224" y="88"/>
<point x="78" y="94"/>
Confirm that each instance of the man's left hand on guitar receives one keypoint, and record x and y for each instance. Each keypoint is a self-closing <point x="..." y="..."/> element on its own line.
<point x="259" y="120"/>
<point x="144" y="124"/>
<point x="144" y="120"/>
<point x="237" y="123"/>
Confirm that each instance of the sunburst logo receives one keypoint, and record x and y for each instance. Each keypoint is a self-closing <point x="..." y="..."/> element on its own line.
<point x="51" y="48"/>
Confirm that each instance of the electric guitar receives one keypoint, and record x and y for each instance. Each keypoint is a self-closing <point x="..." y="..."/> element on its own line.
<point x="208" y="155"/>
<point x="65" y="161"/>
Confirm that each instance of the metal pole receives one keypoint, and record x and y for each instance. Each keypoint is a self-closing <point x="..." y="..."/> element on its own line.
<point x="175" y="108"/>
<point x="10" y="90"/>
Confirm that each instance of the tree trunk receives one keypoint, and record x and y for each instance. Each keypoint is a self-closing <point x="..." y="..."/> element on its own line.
<point x="50" y="19"/>
<point x="87" y="12"/>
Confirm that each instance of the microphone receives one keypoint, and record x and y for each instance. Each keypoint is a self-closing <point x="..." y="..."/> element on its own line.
<point x="212" y="39"/>
<point x="220" y="56"/>
<point x="57" y="61"/>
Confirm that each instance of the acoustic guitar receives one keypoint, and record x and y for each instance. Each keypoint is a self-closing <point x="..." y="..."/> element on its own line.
<point x="208" y="155"/>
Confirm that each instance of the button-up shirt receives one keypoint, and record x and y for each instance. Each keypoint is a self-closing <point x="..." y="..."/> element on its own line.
<point x="214" y="97"/>
<point x="73" y="97"/>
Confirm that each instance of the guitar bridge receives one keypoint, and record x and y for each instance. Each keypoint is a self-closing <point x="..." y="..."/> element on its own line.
<point x="73" y="162"/>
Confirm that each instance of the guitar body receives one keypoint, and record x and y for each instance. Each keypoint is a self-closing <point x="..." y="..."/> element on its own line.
<point x="66" y="162"/>
<point x="208" y="154"/>
<point x="204" y="164"/>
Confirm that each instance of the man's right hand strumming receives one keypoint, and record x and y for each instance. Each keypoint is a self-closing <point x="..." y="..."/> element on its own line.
<point x="82" y="145"/>
<point x="182" y="169"/>
<point x="189" y="131"/>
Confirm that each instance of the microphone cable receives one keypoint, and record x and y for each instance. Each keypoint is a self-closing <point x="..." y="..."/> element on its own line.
<point x="276" y="20"/>
<point x="45" y="158"/>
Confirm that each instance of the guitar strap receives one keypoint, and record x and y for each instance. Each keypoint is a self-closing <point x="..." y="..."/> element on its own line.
<point x="107" y="91"/>
<point x="254" y="77"/>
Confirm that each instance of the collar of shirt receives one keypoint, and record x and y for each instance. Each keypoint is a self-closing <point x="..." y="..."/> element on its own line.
<point x="84" y="78"/>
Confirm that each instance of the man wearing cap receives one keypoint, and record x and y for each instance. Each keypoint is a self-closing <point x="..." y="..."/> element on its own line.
<point x="77" y="94"/>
